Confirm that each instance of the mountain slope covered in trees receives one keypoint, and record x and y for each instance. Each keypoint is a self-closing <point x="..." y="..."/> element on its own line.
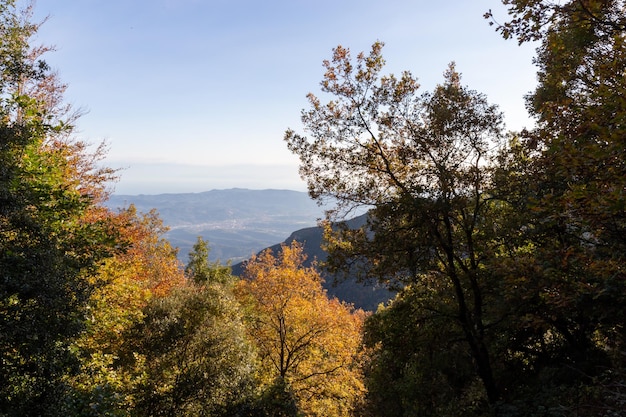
<point x="366" y="296"/>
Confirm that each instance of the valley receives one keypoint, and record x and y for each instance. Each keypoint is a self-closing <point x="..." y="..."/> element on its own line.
<point x="238" y="223"/>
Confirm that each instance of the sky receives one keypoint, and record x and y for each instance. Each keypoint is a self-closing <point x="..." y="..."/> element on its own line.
<point x="194" y="95"/>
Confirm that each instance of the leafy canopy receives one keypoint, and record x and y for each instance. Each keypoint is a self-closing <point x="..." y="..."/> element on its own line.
<point x="307" y="344"/>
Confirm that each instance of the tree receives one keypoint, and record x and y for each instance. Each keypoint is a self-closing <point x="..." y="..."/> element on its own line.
<point x="51" y="241"/>
<point x="579" y="105"/>
<point x="191" y="348"/>
<point x="200" y="270"/>
<point x="574" y="185"/>
<point x="308" y="345"/>
<point x="417" y="363"/>
<point x="198" y="360"/>
<point x="423" y="162"/>
<point x="129" y="281"/>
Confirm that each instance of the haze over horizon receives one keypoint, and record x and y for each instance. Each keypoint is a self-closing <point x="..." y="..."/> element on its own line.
<point x="193" y="95"/>
<point x="187" y="178"/>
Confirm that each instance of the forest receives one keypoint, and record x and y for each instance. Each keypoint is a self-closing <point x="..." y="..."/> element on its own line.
<point x="507" y="250"/>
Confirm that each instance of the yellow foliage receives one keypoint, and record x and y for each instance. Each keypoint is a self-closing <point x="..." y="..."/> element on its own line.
<point x="310" y="342"/>
<point x="146" y="268"/>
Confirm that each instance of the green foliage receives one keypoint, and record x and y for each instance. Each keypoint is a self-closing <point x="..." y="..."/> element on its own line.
<point x="198" y="361"/>
<point x="278" y="400"/>
<point x="49" y="243"/>
<point x="201" y="270"/>
<point x="574" y="193"/>
<point x="418" y="363"/>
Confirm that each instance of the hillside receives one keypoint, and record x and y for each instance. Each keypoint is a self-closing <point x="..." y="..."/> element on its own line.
<point x="367" y="297"/>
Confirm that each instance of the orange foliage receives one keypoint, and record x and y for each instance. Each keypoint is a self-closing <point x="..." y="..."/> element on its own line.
<point x="149" y="258"/>
<point x="305" y="340"/>
<point x="145" y="267"/>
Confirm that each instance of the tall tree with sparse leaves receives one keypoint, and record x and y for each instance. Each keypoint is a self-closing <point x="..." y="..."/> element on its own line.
<point x="423" y="162"/>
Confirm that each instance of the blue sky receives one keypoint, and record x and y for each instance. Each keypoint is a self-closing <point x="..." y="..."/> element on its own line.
<point x="193" y="95"/>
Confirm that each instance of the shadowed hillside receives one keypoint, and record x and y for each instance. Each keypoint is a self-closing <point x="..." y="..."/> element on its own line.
<point x="367" y="297"/>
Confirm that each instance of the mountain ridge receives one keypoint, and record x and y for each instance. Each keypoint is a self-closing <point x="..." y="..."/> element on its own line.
<point x="236" y="222"/>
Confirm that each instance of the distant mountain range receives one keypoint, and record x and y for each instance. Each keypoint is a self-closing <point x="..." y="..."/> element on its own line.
<point x="236" y="222"/>
<point x="240" y="222"/>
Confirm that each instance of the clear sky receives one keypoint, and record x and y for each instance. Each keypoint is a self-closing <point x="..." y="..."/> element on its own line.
<point x="193" y="95"/>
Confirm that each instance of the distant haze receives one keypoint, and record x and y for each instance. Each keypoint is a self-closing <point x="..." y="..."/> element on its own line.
<point x="158" y="178"/>
<point x="217" y="83"/>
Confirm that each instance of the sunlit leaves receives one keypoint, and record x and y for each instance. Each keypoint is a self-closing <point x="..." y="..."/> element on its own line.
<point x="305" y="340"/>
<point x="145" y="269"/>
<point x="198" y="360"/>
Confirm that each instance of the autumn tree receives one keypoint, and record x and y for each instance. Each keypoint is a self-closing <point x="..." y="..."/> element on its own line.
<point x="50" y="243"/>
<point x="192" y="348"/>
<point x="422" y="161"/>
<point x="147" y="269"/>
<point x="308" y="344"/>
